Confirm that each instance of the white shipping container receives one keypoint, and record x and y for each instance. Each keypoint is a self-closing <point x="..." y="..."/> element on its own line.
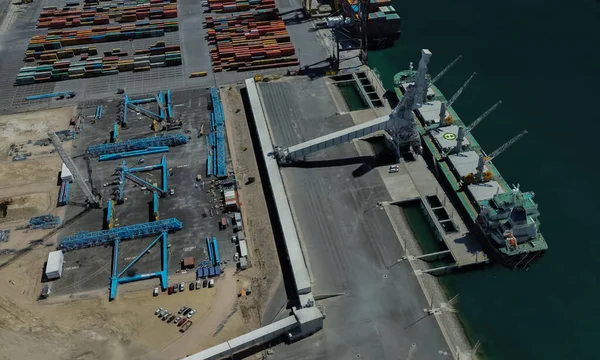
<point x="243" y="248"/>
<point x="54" y="265"/>
<point x="65" y="174"/>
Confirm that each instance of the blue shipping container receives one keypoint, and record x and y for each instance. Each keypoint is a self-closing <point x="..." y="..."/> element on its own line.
<point x="211" y="271"/>
<point x="217" y="270"/>
<point x="204" y="272"/>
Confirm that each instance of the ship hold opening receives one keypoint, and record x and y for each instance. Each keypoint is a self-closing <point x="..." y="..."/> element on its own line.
<point x="352" y="95"/>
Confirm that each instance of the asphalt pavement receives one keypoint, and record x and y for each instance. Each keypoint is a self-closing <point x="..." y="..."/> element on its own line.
<point x="349" y="242"/>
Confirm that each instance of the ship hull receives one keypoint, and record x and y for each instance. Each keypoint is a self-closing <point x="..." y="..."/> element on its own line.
<point x="513" y="262"/>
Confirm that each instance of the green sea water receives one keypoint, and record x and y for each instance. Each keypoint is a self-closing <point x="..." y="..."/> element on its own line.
<point x="542" y="58"/>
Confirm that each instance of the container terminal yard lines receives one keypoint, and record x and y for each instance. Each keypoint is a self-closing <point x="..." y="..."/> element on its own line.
<point x="218" y="194"/>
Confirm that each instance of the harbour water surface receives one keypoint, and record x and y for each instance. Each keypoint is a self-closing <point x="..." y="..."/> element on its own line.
<point x="542" y="58"/>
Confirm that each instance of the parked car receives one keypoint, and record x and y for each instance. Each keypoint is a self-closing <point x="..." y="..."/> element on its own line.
<point x="183" y="308"/>
<point x="187" y="311"/>
<point x="158" y="311"/>
<point x="198" y="284"/>
<point x="191" y="313"/>
<point x="186" y="326"/>
<point x="205" y="283"/>
<point x="192" y="287"/>
<point x="170" y="291"/>
<point x="211" y="283"/>
<point x="182" y="286"/>
<point x="171" y="318"/>
<point x="394" y="169"/>
<point x="183" y="319"/>
<point x="155" y="293"/>
<point x="177" y="319"/>
<point x="166" y="316"/>
<point x="162" y="313"/>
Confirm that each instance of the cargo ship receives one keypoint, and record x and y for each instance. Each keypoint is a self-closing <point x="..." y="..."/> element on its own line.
<point x="504" y="218"/>
<point x="383" y="24"/>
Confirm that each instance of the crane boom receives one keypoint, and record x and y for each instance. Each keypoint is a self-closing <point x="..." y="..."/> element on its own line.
<point x="483" y="116"/>
<point x="460" y="90"/>
<point x="74" y="171"/>
<point x="506" y="145"/>
<point x="438" y="76"/>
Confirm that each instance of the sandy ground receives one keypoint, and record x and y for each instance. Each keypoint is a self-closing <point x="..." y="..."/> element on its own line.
<point x="88" y="326"/>
<point x="265" y="273"/>
<point x="30" y="186"/>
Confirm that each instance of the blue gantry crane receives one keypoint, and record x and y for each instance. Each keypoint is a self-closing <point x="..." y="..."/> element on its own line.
<point x="117" y="278"/>
<point x="125" y="172"/>
<point x="138" y="144"/>
<point x="87" y="239"/>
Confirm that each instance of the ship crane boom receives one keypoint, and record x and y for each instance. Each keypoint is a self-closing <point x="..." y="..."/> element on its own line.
<point x="506" y="145"/>
<point x="462" y="133"/>
<point x="480" y="118"/>
<point x="438" y="76"/>
<point x="480" y="176"/>
<point x="460" y="90"/>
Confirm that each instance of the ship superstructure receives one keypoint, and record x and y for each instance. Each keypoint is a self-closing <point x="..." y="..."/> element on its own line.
<point x="505" y="218"/>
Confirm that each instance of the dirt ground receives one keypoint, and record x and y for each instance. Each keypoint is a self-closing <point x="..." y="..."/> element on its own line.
<point x="29" y="187"/>
<point x="88" y="326"/>
<point x="265" y="273"/>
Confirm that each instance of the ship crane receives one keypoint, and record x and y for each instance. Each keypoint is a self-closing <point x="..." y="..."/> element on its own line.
<point x="446" y="120"/>
<point x="438" y="76"/>
<point x="481" y="176"/>
<point x="462" y="133"/>
<point x="92" y="200"/>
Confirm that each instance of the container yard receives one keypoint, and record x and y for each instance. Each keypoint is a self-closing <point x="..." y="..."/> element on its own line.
<point x="143" y="181"/>
<point x="94" y="12"/>
<point x="227" y="6"/>
<point x="250" y="41"/>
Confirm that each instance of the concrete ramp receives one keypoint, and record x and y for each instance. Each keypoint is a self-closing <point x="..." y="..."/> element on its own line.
<point x="302" y="323"/>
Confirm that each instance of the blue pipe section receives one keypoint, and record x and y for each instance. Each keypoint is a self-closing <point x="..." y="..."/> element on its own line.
<point x="219" y="128"/>
<point x="210" y="250"/>
<point x="115" y="133"/>
<point x="169" y="105"/>
<point x="114" y="279"/>
<point x="216" y="252"/>
<point x="161" y="102"/>
<point x="109" y="214"/>
<point x="125" y="109"/>
<point x="138" y="144"/>
<point x="45" y="96"/>
<point x="155" y="206"/>
<point x="151" y="150"/>
<point x="209" y="167"/>
<point x="87" y="239"/>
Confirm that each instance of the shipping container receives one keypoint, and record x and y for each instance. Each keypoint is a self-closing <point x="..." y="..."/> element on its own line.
<point x="243" y="248"/>
<point x="54" y="265"/>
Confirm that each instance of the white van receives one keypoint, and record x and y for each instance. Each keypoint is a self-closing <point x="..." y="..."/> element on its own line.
<point x="211" y="283"/>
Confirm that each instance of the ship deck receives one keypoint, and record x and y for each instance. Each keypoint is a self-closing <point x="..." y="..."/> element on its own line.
<point x="499" y="183"/>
